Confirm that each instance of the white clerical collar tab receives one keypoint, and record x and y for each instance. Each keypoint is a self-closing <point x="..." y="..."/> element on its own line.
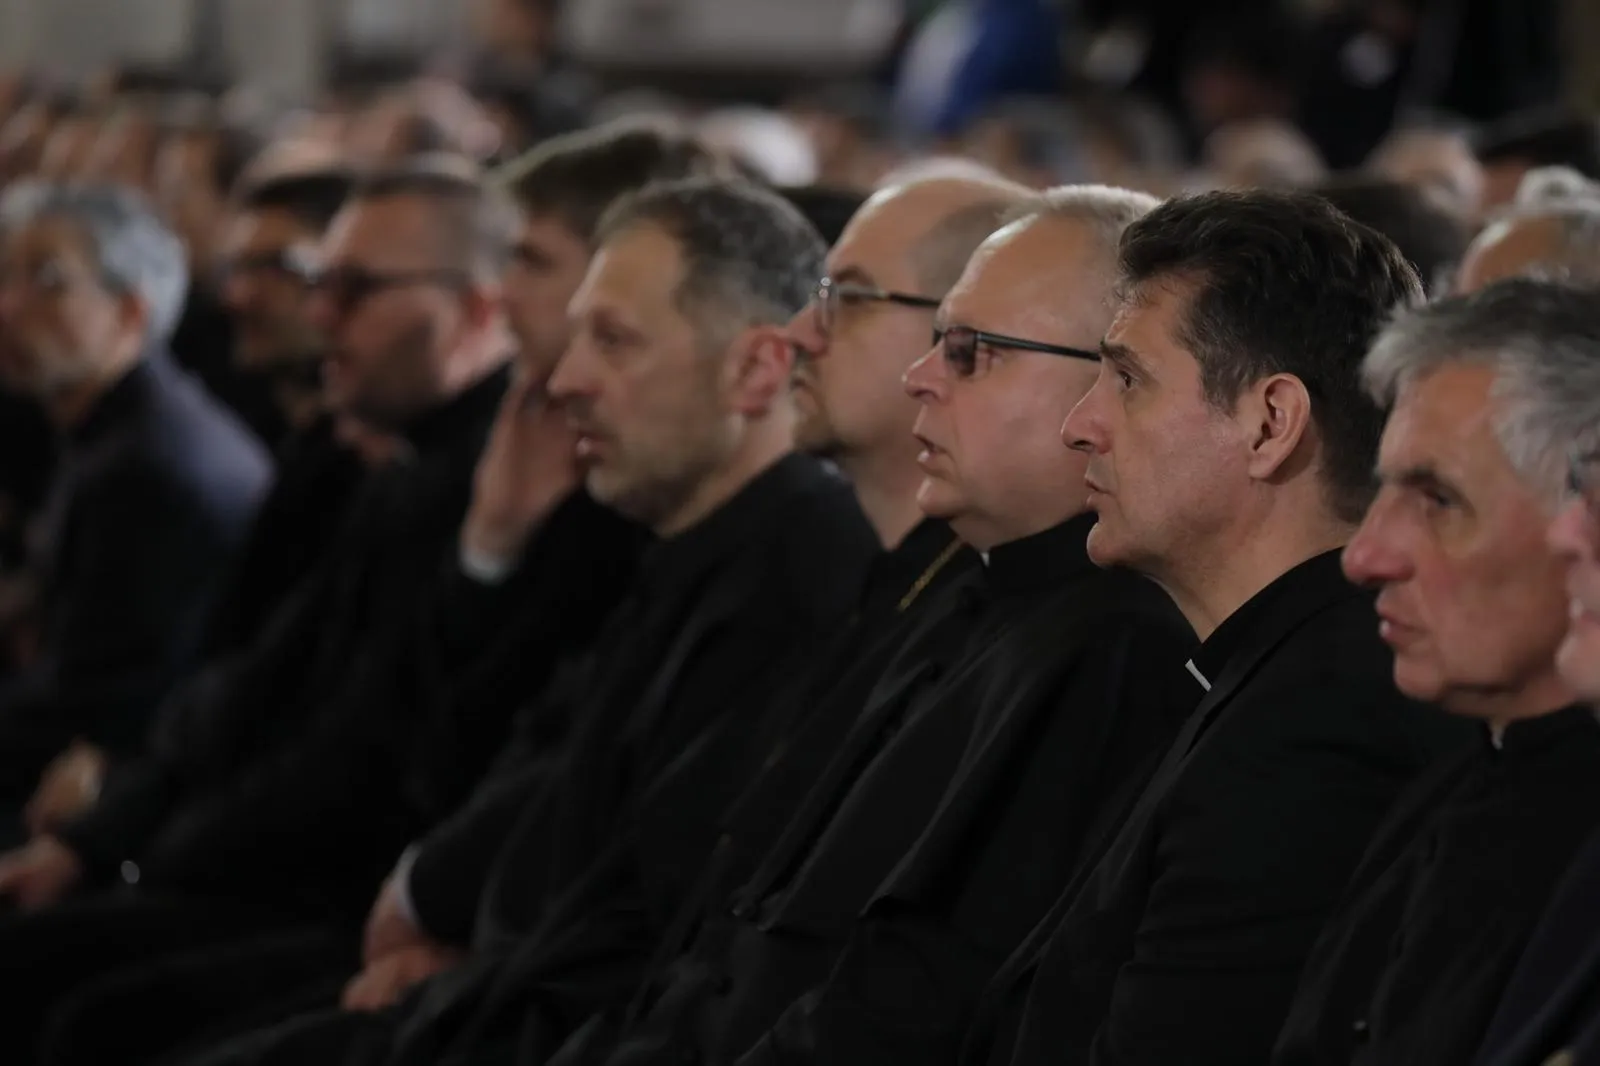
<point x="1198" y="676"/>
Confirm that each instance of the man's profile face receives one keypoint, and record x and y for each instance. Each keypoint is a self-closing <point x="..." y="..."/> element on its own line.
<point x="1575" y="538"/>
<point x="1164" y="465"/>
<point x="264" y="289"/>
<point x="389" y="301"/>
<point x="1471" y="598"/>
<point x="547" y="267"/>
<point x="850" y="360"/>
<point x="641" y="385"/>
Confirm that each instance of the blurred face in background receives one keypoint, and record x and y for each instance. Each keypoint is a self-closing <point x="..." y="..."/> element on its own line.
<point x="23" y="139"/>
<point x="546" y="269"/>
<point x="394" y="304"/>
<point x="68" y="152"/>
<point x="60" y="323"/>
<point x="187" y="193"/>
<point x="125" y="152"/>
<point x="1575" y="536"/>
<point x="265" y="253"/>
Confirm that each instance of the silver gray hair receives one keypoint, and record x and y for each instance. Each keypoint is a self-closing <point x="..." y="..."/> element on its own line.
<point x="1104" y="208"/>
<point x="134" y="252"/>
<point x="1542" y="340"/>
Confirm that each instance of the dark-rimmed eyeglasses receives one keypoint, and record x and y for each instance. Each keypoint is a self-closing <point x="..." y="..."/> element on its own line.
<point x="290" y="263"/>
<point x="830" y="295"/>
<point x="961" y="346"/>
<point x="348" y="287"/>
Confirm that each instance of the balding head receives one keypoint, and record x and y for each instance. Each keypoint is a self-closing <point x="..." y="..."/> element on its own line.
<point x="908" y="244"/>
<point x="1560" y="243"/>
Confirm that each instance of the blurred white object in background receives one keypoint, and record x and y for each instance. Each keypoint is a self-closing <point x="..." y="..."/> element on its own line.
<point x="772" y="145"/>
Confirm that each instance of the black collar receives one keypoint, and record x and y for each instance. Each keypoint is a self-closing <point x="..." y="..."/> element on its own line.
<point x="1048" y="558"/>
<point x="118" y="403"/>
<point x="1533" y="736"/>
<point x="1298" y="591"/>
<point x="469" y="412"/>
<point x="676" y="564"/>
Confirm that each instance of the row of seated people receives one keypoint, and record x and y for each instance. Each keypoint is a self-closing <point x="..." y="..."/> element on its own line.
<point x="692" y="664"/>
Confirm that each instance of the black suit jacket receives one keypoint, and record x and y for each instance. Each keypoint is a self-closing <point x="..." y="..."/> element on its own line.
<point x="154" y="496"/>
<point x="1181" y="941"/>
<point x="1552" y="1003"/>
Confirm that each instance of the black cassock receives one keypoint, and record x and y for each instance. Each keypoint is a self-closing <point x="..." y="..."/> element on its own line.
<point x="1041" y="640"/>
<point x="720" y="617"/>
<point x="1180" y="941"/>
<point x="1413" y="960"/>
<point x="1550" y="1011"/>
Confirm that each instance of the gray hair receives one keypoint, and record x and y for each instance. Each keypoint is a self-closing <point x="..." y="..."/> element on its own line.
<point x="1105" y="209"/>
<point x="1541" y="339"/>
<point x="134" y="252"/>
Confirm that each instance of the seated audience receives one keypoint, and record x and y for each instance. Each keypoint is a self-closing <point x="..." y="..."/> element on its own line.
<point x="208" y="837"/>
<point x="1512" y="146"/>
<point x="1470" y="598"/>
<point x="1552" y="232"/>
<point x="676" y="385"/>
<point x="157" y="484"/>
<point x="1436" y="162"/>
<point x="1230" y="454"/>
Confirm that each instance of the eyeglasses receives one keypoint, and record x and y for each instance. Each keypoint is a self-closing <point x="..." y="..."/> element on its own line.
<point x="292" y="263"/>
<point x="831" y="294"/>
<point x="348" y="287"/>
<point x="961" y="345"/>
<point x="1583" y="478"/>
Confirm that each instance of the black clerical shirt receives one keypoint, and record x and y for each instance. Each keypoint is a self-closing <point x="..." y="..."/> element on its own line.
<point x="1038" y="628"/>
<point x="1180" y="940"/>
<point x="1413" y="960"/>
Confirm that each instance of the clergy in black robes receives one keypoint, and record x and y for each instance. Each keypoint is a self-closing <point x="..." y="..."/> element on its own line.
<point x="762" y="553"/>
<point x="1230" y="471"/>
<point x="1551" y="1005"/>
<point x="1040" y="637"/>
<point x="255" y="737"/>
<point x="1414" y="958"/>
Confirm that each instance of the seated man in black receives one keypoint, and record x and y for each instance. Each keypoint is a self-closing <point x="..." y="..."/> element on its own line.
<point x="276" y="225"/>
<point x="157" y="484"/>
<point x="1418" y="952"/>
<point x="1550" y="1012"/>
<point x="206" y="837"/>
<point x="1230" y="454"/>
<point x="677" y="385"/>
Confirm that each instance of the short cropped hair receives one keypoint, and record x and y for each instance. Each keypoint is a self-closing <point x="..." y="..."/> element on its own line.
<point x="750" y="257"/>
<point x="1432" y="239"/>
<point x="479" y="222"/>
<point x="1283" y="283"/>
<point x="577" y="176"/>
<point x="1541" y="339"/>
<point x="133" y="250"/>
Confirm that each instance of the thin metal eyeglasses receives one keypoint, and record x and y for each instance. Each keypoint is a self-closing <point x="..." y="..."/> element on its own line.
<point x="831" y="294"/>
<point x="962" y="343"/>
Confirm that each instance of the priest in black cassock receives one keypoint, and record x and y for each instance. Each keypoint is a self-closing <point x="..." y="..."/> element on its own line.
<point x="1414" y="958"/>
<point x="1041" y="640"/>
<point x="677" y="384"/>
<point x="1550" y="1012"/>
<point x="1230" y="449"/>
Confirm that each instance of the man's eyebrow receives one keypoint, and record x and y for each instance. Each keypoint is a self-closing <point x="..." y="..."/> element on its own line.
<point x="853" y="275"/>
<point x="1123" y="356"/>
<point x="1417" y="476"/>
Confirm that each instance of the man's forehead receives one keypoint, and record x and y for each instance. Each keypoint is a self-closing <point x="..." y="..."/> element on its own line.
<point x="635" y="270"/>
<point x="1442" y="416"/>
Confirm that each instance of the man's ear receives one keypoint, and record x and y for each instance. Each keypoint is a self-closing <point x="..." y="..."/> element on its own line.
<point x="1275" y="416"/>
<point x="135" y="315"/>
<point x="760" y="363"/>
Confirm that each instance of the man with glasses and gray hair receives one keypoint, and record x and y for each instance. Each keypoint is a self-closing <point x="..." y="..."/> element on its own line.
<point x="157" y="487"/>
<point x="1471" y="600"/>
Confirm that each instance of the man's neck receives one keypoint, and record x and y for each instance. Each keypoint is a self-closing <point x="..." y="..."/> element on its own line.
<point x="1234" y="573"/>
<point x="886" y="488"/>
<point x="758" y="452"/>
<point x="984" y="535"/>
<point x="1537" y="698"/>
